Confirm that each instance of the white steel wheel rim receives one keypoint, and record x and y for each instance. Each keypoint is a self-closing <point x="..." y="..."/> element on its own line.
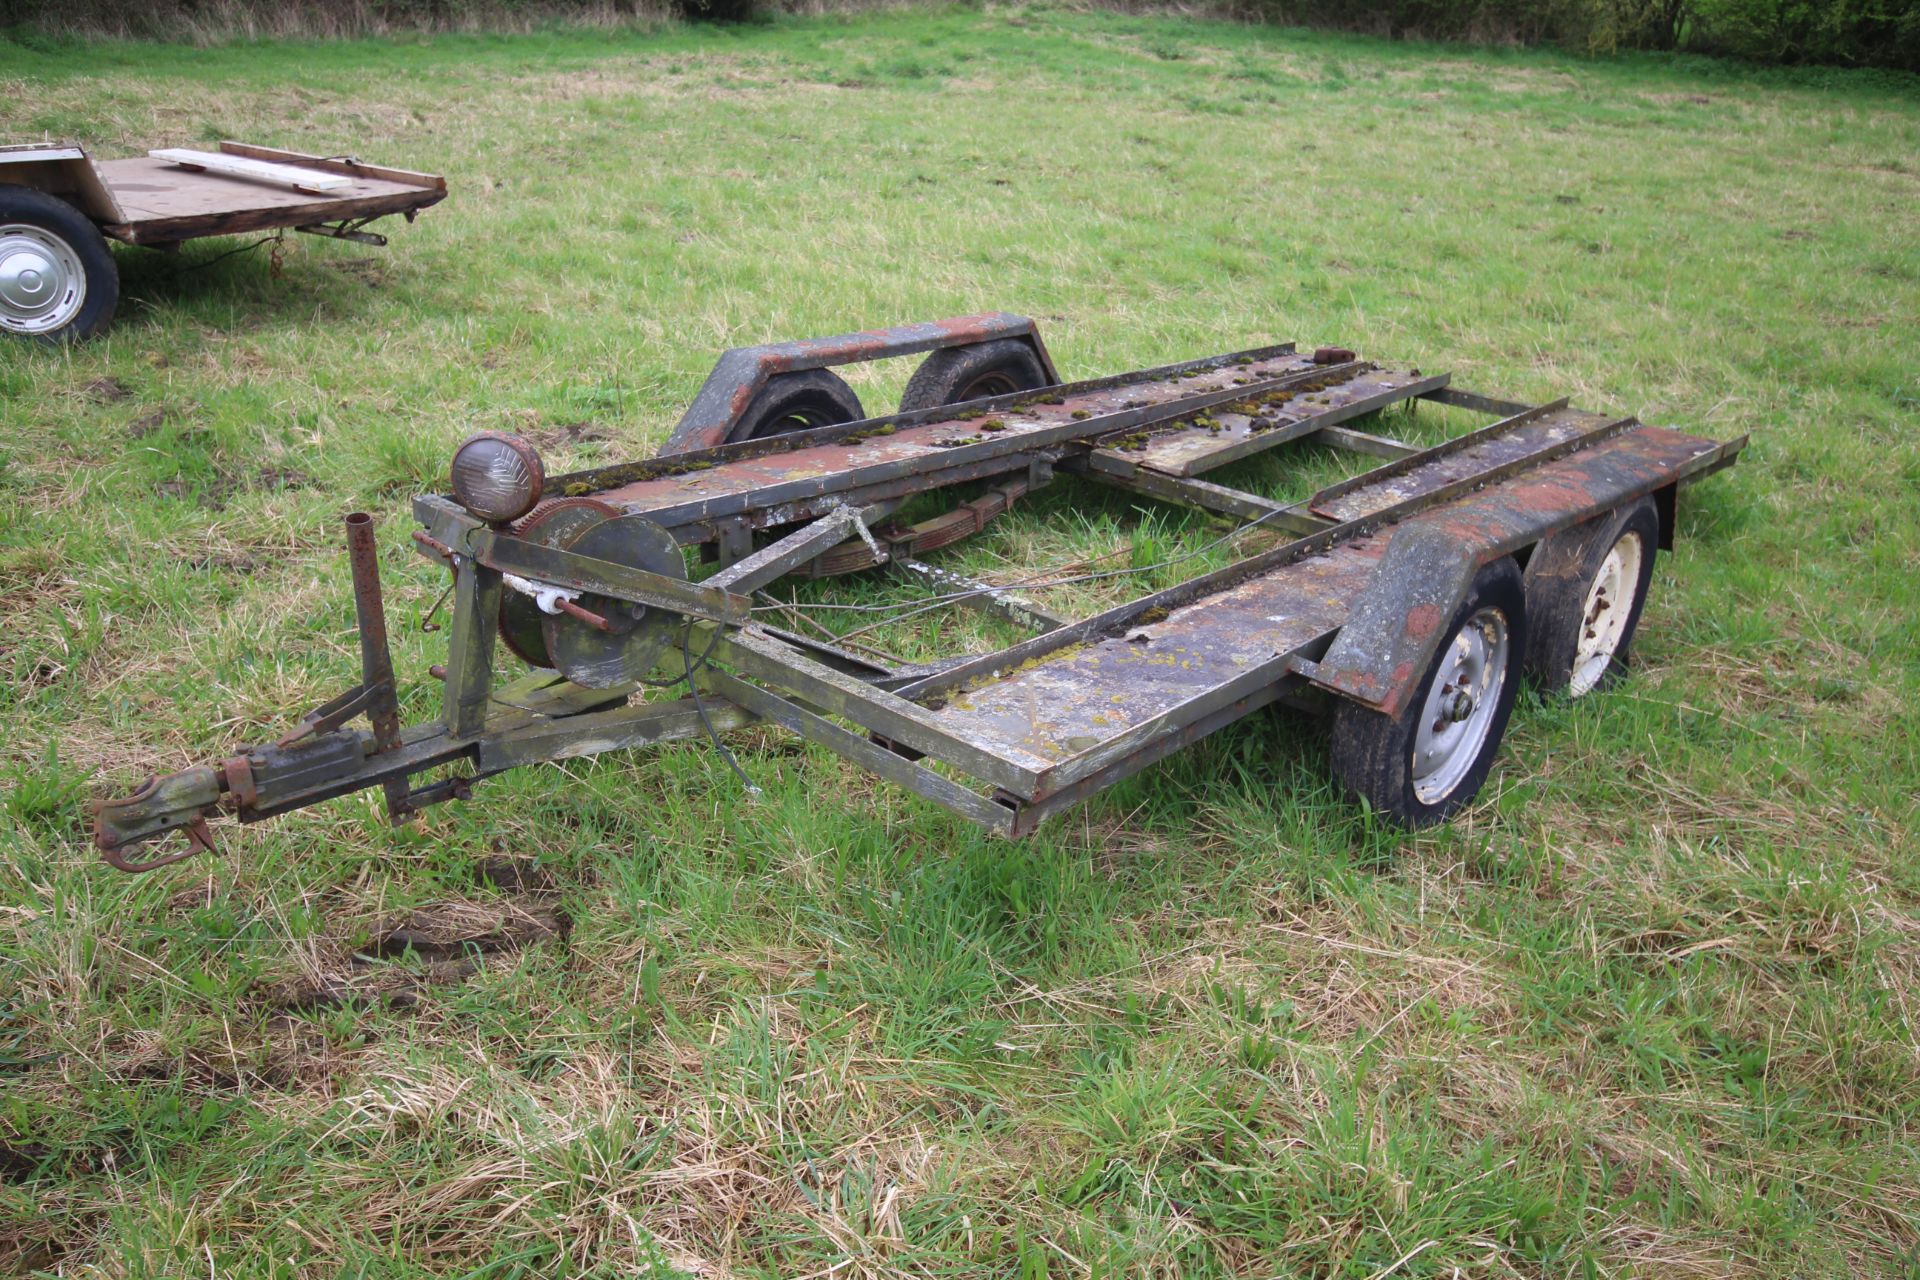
<point x="1460" y="706"/>
<point x="42" y="284"/>
<point x="1603" y="619"/>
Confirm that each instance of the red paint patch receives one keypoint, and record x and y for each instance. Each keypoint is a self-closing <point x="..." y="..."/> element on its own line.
<point x="1422" y="621"/>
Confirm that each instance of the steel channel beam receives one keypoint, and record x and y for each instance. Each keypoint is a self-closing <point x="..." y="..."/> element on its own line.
<point x="1445" y="449"/>
<point x="594" y="732"/>
<point x="421" y="747"/>
<point x="1306" y="427"/>
<point x="1202" y="495"/>
<point x="475" y="622"/>
<point x="760" y="656"/>
<point x="507" y="554"/>
<point x="789" y="553"/>
<point x="868" y="755"/>
<point x="1351" y="441"/>
<point x="1478" y="403"/>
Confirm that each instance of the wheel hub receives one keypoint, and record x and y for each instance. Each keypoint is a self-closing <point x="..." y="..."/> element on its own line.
<point x="1460" y="706"/>
<point x="42" y="284"/>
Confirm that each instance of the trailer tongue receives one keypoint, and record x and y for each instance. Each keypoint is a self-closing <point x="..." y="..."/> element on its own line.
<point x="1401" y="596"/>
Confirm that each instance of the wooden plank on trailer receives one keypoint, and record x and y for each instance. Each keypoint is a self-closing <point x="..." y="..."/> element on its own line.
<point x="337" y="164"/>
<point x="284" y="175"/>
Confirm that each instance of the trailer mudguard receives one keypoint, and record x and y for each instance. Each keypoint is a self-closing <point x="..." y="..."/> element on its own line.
<point x="64" y="171"/>
<point x="740" y="373"/>
<point x="1390" y="636"/>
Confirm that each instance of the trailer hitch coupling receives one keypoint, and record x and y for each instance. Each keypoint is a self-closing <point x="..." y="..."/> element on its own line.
<point x="178" y="802"/>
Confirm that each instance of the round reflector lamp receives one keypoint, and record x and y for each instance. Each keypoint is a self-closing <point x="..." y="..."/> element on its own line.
<point x="496" y="476"/>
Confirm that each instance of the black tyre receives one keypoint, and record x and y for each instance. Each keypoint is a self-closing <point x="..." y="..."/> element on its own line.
<point x="1585" y="589"/>
<point x="798" y="402"/>
<point x="1420" y="767"/>
<point x="954" y="374"/>
<point x="57" y="278"/>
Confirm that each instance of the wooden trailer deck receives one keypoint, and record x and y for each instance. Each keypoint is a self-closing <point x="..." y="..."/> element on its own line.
<point x="159" y="202"/>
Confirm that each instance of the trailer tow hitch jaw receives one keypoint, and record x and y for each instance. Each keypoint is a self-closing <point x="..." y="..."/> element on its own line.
<point x="177" y="802"/>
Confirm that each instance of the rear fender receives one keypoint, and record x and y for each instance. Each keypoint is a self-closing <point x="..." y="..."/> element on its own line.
<point x="64" y="171"/>
<point x="740" y="374"/>
<point x="1390" y="637"/>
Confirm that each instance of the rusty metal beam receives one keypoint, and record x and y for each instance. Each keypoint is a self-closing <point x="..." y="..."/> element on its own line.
<point x="1348" y="440"/>
<point x="1201" y="495"/>
<point x="505" y="554"/>
<point x="864" y="752"/>
<point x="773" y="562"/>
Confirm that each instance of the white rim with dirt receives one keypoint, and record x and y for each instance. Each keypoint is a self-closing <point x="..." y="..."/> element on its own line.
<point x="1603" y="620"/>
<point x="1460" y="707"/>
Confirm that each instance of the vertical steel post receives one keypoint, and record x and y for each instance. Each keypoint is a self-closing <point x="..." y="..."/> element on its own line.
<point x="473" y="626"/>
<point x="376" y="660"/>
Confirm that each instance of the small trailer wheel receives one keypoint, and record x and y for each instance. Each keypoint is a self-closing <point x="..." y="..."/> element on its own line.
<point x="1420" y="767"/>
<point x="954" y="374"/>
<point x="797" y="402"/>
<point x="57" y="278"/>
<point x="1585" y="589"/>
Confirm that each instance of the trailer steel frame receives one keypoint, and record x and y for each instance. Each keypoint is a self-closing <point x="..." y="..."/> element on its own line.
<point x="1350" y="607"/>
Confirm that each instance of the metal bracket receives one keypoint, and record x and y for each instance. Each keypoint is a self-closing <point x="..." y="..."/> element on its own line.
<point x="328" y="716"/>
<point x="345" y="230"/>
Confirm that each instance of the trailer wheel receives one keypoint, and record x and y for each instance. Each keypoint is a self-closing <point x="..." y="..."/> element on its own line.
<point x="1418" y="768"/>
<point x="954" y="374"/>
<point x="57" y="278"/>
<point x="797" y="402"/>
<point x="1585" y="589"/>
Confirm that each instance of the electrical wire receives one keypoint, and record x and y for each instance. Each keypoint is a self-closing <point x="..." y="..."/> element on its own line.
<point x="231" y="253"/>
<point x="902" y="611"/>
<point x="700" y="708"/>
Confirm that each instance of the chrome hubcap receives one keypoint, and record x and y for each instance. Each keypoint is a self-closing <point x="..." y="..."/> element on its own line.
<point x="1603" y="622"/>
<point x="42" y="284"/>
<point x="1460" y="706"/>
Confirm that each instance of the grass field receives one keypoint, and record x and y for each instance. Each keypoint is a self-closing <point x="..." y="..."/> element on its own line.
<point x="1647" y="1009"/>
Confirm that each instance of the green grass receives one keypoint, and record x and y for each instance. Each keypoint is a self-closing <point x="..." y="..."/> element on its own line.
<point x="1647" y="1009"/>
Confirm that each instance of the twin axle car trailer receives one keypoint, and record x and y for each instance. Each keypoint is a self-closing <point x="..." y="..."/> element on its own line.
<point x="1410" y="596"/>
